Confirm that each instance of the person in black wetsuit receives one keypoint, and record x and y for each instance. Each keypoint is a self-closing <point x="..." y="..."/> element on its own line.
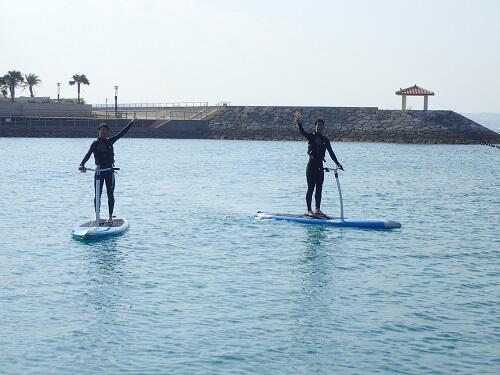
<point x="318" y="145"/>
<point x="104" y="155"/>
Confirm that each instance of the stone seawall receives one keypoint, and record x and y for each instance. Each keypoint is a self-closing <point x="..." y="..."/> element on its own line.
<point x="368" y="124"/>
<point x="86" y="128"/>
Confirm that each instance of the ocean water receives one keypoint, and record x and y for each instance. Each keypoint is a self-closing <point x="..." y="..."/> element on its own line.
<point x="198" y="286"/>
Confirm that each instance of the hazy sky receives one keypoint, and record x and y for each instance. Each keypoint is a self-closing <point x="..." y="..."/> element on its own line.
<point x="331" y="53"/>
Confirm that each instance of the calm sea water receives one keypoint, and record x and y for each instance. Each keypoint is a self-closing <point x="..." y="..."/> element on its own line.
<point x="197" y="286"/>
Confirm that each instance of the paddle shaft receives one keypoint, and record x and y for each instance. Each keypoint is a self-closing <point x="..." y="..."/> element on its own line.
<point x="336" y="173"/>
<point x="340" y="195"/>
<point x="97" y="186"/>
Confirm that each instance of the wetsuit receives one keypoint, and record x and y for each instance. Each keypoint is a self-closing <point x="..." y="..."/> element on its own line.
<point x="318" y="144"/>
<point x="104" y="155"/>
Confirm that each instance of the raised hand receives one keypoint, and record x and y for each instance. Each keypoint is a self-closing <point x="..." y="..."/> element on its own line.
<point x="297" y="117"/>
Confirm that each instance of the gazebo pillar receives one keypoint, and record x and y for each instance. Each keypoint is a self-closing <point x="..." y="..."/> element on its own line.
<point x="426" y="102"/>
<point x="403" y="103"/>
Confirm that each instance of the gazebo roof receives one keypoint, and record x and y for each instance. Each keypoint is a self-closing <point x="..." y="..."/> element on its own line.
<point x="414" y="91"/>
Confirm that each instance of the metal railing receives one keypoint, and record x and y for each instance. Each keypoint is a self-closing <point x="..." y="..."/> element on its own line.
<point x="155" y="115"/>
<point x="151" y="105"/>
<point x="196" y="111"/>
<point x="119" y="115"/>
<point x="176" y="115"/>
<point x="203" y="114"/>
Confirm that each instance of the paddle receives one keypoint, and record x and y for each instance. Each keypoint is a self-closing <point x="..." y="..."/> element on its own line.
<point x="336" y="173"/>
<point x="101" y="170"/>
<point x="97" y="190"/>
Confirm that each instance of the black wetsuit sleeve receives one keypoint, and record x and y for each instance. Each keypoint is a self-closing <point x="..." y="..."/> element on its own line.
<point x="122" y="132"/>
<point x="303" y="132"/>
<point x="330" y="151"/>
<point x="88" y="154"/>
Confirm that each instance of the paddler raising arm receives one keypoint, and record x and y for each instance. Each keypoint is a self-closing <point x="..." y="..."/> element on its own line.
<point x="318" y="144"/>
<point x="104" y="155"/>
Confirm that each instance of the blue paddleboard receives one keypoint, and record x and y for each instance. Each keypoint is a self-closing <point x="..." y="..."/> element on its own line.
<point x="336" y="222"/>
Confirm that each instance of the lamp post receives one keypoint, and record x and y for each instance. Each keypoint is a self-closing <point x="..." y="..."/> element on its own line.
<point x="116" y="101"/>
<point x="58" y="91"/>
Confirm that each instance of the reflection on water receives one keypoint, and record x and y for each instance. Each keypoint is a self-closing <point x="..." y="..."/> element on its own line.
<point x="317" y="258"/>
<point x="315" y="274"/>
<point x="105" y="276"/>
<point x="103" y="296"/>
<point x="106" y="257"/>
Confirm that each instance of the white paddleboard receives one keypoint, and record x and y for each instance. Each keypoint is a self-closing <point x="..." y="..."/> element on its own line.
<point x="89" y="231"/>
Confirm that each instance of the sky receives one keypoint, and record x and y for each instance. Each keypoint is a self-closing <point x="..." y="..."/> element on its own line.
<point x="255" y="52"/>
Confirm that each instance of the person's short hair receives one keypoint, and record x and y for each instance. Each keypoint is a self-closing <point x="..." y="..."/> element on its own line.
<point x="319" y="121"/>
<point x="102" y="125"/>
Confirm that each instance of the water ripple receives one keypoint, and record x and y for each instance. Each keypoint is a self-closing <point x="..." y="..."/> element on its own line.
<point x="198" y="286"/>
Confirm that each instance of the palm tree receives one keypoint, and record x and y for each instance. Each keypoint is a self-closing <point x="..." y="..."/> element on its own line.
<point x="12" y="79"/>
<point x="31" y="81"/>
<point x="3" y="86"/>
<point x="79" y="79"/>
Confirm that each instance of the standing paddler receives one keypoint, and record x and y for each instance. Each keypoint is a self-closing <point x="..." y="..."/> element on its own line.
<point x="104" y="155"/>
<point x="318" y="144"/>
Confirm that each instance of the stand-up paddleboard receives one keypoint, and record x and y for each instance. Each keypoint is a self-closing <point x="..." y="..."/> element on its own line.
<point x="89" y="231"/>
<point x="99" y="228"/>
<point x="332" y="221"/>
<point x="336" y="222"/>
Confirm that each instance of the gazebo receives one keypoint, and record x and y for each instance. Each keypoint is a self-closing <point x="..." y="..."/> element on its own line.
<point x="414" y="91"/>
